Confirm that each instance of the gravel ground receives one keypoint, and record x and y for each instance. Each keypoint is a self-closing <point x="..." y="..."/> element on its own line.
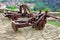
<point x="50" y="32"/>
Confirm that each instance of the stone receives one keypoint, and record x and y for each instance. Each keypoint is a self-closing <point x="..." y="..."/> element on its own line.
<point x="28" y="35"/>
<point x="2" y="31"/>
<point x="10" y="37"/>
<point x="20" y="38"/>
<point x="59" y="35"/>
<point x="41" y="39"/>
<point x="49" y="39"/>
<point x="32" y="38"/>
<point x="44" y="33"/>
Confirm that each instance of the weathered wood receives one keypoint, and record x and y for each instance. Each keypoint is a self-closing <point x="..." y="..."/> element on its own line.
<point x="36" y="24"/>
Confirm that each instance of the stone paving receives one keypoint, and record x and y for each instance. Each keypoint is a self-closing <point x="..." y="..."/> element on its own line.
<point x="50" y="32"/>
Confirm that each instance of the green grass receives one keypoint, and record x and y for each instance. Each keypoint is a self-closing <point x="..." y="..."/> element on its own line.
<point x="12" y="8"/>
<point x="54" y="23"/>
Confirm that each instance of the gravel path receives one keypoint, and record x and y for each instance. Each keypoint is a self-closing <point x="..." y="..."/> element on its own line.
<point x="50" y="32"/>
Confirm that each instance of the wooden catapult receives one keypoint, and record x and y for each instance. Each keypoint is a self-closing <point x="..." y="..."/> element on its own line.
<point x="38" y="23"/>
<point x="27" y="19"/>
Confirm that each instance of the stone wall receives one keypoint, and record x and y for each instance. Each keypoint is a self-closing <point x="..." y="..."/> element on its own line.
<point x="55" y="14"/>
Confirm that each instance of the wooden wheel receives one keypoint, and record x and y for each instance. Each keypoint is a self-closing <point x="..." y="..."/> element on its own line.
<point x="40" y="25"/>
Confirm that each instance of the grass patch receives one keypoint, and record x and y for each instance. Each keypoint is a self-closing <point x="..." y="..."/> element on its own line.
<point x="54" y="23"/>
<point x="12" y="8"/>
